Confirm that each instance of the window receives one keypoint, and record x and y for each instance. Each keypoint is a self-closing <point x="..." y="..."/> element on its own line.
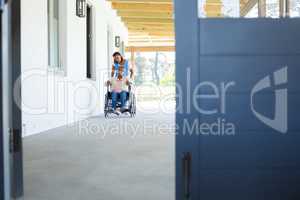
<point x="253" y="13"/>
<point x="272" y="8"/>
<point x="53" y="34"/>
<point x="294" y="8"/>
<point x="248" y="8"/>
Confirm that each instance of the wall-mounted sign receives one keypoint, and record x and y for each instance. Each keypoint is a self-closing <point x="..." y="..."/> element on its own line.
<point x="117" y="41"/>
<point x="80" y="8"/>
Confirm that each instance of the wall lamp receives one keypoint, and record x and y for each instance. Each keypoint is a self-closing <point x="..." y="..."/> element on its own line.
<point x="117" y="41"/>
<point x="81" y="8"/>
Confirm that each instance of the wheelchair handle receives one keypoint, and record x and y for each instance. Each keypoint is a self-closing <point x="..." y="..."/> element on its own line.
<point x="108" y="87"/>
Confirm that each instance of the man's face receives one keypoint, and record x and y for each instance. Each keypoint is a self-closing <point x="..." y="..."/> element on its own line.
<point x="117" y="58"/>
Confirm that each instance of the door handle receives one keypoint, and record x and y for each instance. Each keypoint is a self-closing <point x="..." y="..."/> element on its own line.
<point x="186" y="172"/>
<point x="15" y="138"/>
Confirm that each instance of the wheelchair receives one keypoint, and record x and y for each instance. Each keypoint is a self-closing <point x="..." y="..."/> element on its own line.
<point x="130" y="107"/>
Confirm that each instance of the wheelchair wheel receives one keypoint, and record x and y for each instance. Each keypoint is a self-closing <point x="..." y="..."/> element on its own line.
<point x="106" y="106"/>
<point x="133" y="106"/>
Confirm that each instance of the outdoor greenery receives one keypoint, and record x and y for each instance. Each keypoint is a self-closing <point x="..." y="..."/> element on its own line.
<point x="156" y="67"/>
<point x="155" y="76"/>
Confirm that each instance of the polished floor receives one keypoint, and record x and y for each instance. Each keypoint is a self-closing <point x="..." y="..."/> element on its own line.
<point x="113" y="159"/>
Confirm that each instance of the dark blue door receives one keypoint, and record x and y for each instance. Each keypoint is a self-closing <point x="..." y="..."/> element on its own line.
<point x="238" y="105"/>
<point x="11" y="167"/>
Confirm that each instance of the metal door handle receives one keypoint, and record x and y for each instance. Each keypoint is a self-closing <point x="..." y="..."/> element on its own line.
<point x="15" y="138"/>
<point x="186" y="172"/>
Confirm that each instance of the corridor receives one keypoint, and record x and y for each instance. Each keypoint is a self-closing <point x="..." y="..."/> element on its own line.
<point x="115" y="159"/>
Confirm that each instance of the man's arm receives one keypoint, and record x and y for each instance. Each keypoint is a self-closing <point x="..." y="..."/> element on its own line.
<point x="112" y="71"/>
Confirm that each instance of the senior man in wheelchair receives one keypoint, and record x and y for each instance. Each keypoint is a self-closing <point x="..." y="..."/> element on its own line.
<point x="120" y="82"/>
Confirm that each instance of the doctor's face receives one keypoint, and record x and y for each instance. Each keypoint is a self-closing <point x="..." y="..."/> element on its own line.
<point x="117" y="58"/>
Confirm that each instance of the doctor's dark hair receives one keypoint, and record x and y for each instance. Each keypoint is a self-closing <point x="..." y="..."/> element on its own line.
<point x="117" y="54"/>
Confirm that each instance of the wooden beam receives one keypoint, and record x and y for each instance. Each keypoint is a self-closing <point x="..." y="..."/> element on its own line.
<point x="143" y="1"/>
<point x="245" y="9"/>
<point x="136" y="14"/>
<point x="152" y="34"/>
<point x="288" y="8"/>
<point x="262" y="8"/>
<point x="151" y="48"/>
<point x="145" y="29"/>
<point x="151" y="38"/>
<point x="142" y="7"/>
<point x="147" y="25"/>
<point x="147" y="36"/>
<point x="284" y="8"/>
<point x="149" y="28"/>
<point x="154" y="25"/>
<point x="213" y="8"/>
<point x="151" y="41"/>
<point x="151" y="44"/>
<point x="146" y="20"/>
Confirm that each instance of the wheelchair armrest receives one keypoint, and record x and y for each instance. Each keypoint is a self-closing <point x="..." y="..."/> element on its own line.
<point x="108" y="87"/>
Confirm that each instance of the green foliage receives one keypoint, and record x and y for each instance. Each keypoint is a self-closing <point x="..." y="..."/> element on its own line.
<point x="168" y="80"/>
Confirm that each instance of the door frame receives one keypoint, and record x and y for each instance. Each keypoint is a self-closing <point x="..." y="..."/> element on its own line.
<point x="186" y="76"/>
<point x="2" y="180"/>
<point x="91" y="58"/>
<point x="11" y="163"/>
<point x="187" y="36"/>
<point x="89" y="35"/>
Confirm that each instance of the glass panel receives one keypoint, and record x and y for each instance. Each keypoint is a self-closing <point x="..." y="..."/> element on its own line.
<point x="53" y="32"/>
<point x="295" y="8"/>
<point x="247" y="8"/>
<point x="272" y="8"/>
<point x="231" y="8"/>
<point x="253" y="13"/>
<point x="224" y="8"/>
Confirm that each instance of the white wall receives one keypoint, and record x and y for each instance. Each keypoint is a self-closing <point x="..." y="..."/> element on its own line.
<point x="50" y="98"/>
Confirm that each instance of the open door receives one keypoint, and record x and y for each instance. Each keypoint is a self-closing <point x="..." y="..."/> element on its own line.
<point x="11" y="116"/>
<point x="237" y="108"/>
<point x="89" y="41"/>
<point x="2" y="179"/>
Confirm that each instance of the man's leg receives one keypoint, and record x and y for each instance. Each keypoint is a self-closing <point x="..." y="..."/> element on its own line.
<point x="114" y="97"/>
<point x="123" y="95"/>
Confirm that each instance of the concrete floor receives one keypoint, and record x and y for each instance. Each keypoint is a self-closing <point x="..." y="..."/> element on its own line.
<point x="113" y="159"/>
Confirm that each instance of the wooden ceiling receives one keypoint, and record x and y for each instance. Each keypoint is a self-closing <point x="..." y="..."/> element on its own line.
<point x="213" y="8"/>
<point x="150" y="22"/>
<point x="247" y="5"/>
